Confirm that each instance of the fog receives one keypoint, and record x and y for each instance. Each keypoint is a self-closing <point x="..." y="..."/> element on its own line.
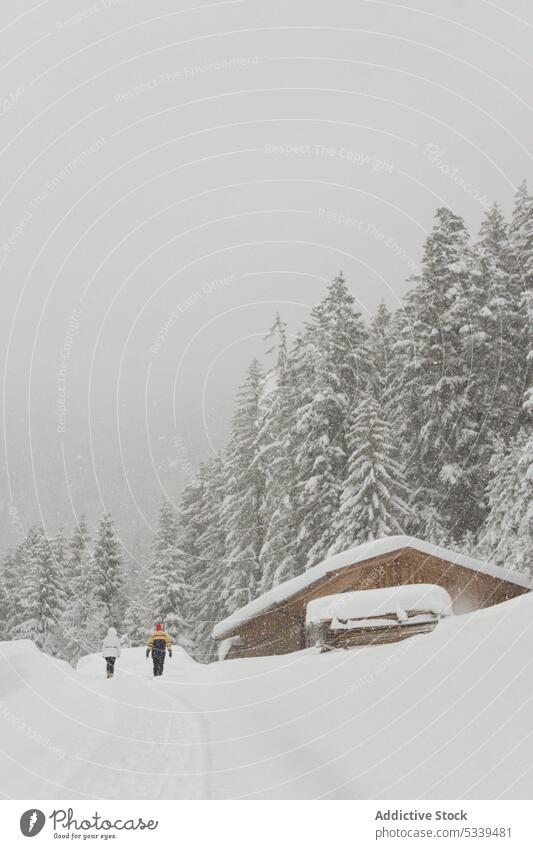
<point x="172" y="177"/>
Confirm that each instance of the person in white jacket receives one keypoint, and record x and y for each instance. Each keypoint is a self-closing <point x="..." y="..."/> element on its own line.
<point x="111" y="650"/>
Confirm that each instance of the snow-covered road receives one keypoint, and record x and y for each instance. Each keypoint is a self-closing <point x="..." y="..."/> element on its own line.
<point x="444" y="715"/>
<point x="76" y="734"/>
<point x="155" y="739"/>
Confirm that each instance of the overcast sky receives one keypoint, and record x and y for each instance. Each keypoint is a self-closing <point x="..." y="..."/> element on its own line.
<point x="172" y="177"/>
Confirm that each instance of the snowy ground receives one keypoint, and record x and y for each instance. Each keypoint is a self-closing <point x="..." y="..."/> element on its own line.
<point x="443" y="715"/>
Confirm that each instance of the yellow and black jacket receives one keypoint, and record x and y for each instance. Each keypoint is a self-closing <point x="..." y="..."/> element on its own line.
<point x="158" y="643"/>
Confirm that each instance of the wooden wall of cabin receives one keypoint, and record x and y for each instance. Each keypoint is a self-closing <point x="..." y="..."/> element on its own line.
<point x="275" y="632"/>
<point x="469" y="590"/>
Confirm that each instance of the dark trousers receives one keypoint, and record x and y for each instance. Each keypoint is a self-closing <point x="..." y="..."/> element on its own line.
<point x="158" y="658"/>
<point x="110" y="664"/>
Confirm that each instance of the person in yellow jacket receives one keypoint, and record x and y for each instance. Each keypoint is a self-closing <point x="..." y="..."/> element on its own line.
<point x="158" y="644"/>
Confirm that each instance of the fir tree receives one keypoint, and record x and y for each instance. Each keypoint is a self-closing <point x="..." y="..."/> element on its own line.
<point x="374" y="495"/>
<point x="520" y="283"/>
<point x="11" y="588"/>
<point x="332" y="368"/>
<point x="244" y="493"/>
<point x="78" y="549"/>
<point x="495" y="336"/>
<point x="278" y="558"/>
<point x="438" y="429"/>
<point x="381" y="355"/>
<point x="136" y="617"/>
<point x="42" y="593"/>
<point x="506" y="538"/>
<point x="107" y="575"/>
<point x="81" y="623"/>
<point x="7" y="570"/>
<point x="427" y="523"/>
<point x="483" y="313"/>
<point x="490" y="324"/>
<point x="205" y="500"/>
<point x="166" y="583"/>
<point x="58" y="545"/>
<point x="522" y="553"/>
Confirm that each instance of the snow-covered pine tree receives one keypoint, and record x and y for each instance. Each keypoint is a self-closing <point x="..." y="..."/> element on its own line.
<point x="522" y="555"/>
<point x="107" y="576"/>
<point x="7" y="570"/>
<point x="167" y="529"/>
<point x="202" y="508"/>
<point x="189" y="530"/>
<point x="81" y="624"/>
<point x="79" y="548"/>
<point x="374" y="497"/>
<point x="244" y="493"/>
<point x="331" y="368"/>
<point x="166" y="582"/>
<point x="490" y="335"/>
<point x="483" y="313"/>
<point x="508" y="533"/>
<point x="520" y="508"/>
<point x="42" y="593"/>
<point x="380" y="351"/>
<point x="136" y="629"/>
<point x="520" y="283"/>
<point x="188" y="515"/>
<point x="402" y="413"/>
<point x="427" y="522"/>
<point x="278" y="558"/>
<point x="500" y="538"/>
<point x="60" y="553"/>
<point x="436" y="425"/>
<point x="524" y="237"/>
<point x="12" y="574"/>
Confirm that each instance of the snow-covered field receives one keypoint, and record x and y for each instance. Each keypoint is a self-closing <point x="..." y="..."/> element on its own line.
<point x="443" y="715"/>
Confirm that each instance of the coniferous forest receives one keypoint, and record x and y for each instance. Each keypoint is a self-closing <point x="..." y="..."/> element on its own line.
<point x="418" y="421"/>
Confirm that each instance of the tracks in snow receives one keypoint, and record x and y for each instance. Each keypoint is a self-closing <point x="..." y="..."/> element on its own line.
<point x="156" y="745"/>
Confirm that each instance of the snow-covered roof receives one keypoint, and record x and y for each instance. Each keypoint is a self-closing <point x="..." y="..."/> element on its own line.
<point x="362" y="604"/>
<point x="360" y="553"/>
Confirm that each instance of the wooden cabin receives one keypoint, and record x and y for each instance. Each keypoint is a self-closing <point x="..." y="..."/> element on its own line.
<point x="275" y="623"/>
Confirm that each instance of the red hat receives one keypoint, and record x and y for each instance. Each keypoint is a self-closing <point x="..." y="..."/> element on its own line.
<point x="158" y="627"/>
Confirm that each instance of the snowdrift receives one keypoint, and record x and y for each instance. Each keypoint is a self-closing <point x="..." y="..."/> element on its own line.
<point x="356" y="605"/>
<point x="443" y="715"/>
